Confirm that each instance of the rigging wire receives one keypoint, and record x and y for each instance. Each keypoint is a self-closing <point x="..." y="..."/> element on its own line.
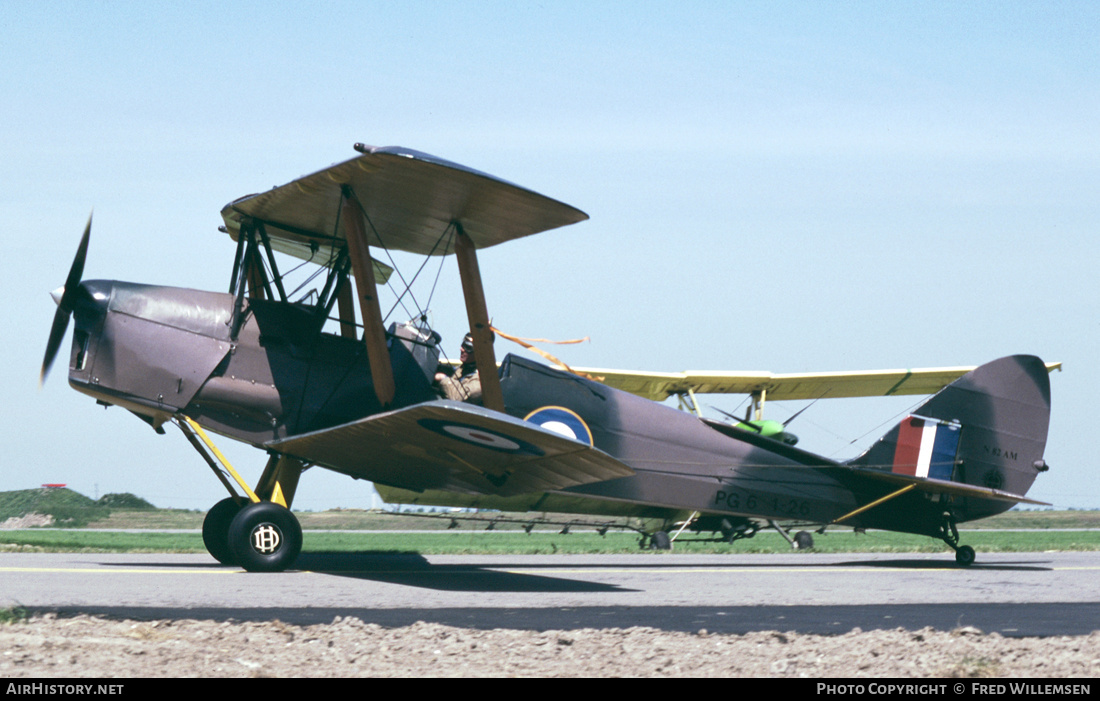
<point x="887" y="422"/>
<point x="452" y="229"/>
<point x="393" y="263"/>
<point x="422" y="311"/>
<point x="308" y="279"/>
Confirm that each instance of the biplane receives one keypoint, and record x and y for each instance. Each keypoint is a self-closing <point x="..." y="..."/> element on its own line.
<point x="323" y="379"/>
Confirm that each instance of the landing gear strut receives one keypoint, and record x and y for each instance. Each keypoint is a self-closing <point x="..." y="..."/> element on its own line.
<point x="964" y="554"/>
<point x="257" y="532"/>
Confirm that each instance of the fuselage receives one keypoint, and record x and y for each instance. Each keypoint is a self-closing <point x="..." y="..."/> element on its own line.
<point x="273" y="372"/>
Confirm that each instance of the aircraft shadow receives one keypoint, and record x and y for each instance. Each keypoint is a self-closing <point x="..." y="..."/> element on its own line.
<point x="944" y="564"/>
<point x="410" y="567"/>
<point x="414" y="570"/>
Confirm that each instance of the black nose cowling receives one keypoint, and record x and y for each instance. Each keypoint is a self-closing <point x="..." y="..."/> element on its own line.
<point x="65" y="305"/>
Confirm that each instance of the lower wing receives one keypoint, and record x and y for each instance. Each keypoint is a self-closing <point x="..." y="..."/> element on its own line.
<point x="453" y="446"/>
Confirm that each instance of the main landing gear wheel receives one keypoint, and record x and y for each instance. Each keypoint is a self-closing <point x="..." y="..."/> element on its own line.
<point x="660" y="541"/>
<point x="265" y="537"/>
<point x="965" y="555"/>
<point x="215" y="530"/>
<point x="803" y="540"/>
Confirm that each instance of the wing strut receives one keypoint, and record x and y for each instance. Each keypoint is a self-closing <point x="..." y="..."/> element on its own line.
<point x="491" y="394"/>
<point x="374" y="333"/>
<point x="346" y="308"/>
<point x="757" y="408"/>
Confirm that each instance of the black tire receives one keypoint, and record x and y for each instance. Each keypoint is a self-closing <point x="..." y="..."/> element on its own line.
<point x="803" y="540"/>
<point x="965" y="555"/>
<point x="660" y="541"/>
<point x="215" y="530"/>
<point x="265" y="537"/>
<point x="728" y="533"/>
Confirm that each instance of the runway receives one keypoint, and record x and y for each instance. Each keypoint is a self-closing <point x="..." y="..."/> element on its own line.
<point x="1018" y="594"/>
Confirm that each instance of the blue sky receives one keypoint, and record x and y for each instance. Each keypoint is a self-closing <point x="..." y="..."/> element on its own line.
<point x="802" y="186"/>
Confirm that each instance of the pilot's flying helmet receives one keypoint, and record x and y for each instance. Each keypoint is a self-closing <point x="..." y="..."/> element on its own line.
<point x="468" y="341"/>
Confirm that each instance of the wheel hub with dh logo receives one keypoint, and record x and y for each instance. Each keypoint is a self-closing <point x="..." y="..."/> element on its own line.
<point x="266" y="538"/>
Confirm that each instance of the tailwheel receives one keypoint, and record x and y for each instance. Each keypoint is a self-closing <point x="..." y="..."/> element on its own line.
<point x="215" y="529"/>
<point x="265" y="537"/>
<point x="965" y="555"/>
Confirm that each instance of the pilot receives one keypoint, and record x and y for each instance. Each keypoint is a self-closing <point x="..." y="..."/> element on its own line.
<point x="466" y="385"/>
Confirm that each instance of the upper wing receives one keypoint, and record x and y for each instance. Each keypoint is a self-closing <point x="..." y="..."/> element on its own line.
<point x="814" y="385"/>
<point x="454" y="446"/>
<point x="410" y="200"/>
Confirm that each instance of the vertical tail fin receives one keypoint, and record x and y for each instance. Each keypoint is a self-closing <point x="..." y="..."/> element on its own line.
<point x="987" y="429"/>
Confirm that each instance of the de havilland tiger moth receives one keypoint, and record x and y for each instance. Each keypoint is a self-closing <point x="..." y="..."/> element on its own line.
<point x="258" y="364"/>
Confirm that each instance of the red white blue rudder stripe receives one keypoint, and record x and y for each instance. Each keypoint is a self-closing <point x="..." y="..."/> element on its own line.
<point x="926" y="448"/>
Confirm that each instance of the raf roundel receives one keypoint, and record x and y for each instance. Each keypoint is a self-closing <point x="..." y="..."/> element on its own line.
<point x="561" y="421"/>
<point x="481" y="436"/>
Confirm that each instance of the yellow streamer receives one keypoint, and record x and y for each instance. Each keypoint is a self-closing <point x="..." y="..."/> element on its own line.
<point x="525" y="342"/>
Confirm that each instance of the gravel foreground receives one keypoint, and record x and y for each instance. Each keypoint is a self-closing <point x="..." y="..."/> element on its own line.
<point x="85" y="646"/>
